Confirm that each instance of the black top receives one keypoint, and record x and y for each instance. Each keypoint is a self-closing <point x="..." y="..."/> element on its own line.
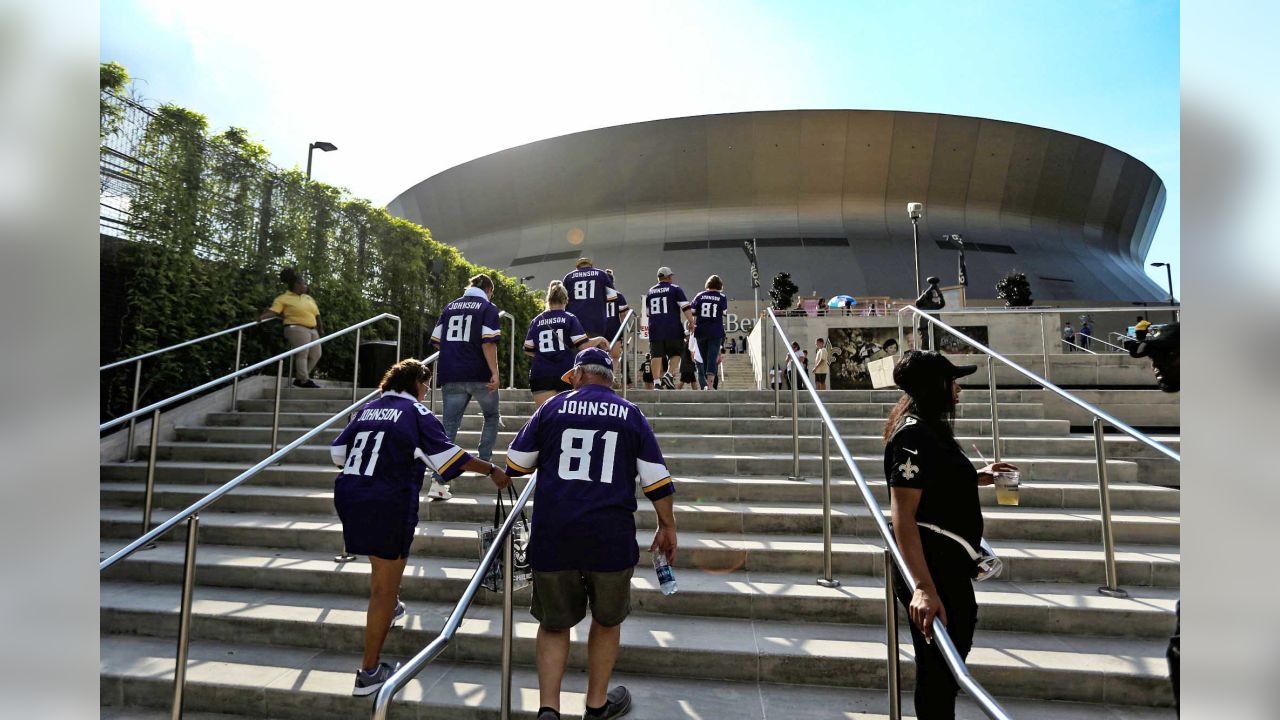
<point x="918" y="456"/>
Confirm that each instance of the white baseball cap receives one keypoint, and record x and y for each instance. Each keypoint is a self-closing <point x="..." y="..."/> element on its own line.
<point x="664" y="271"/>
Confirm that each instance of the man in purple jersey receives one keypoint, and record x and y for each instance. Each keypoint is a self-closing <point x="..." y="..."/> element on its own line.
<point x="614" y="311"/>
<point x="589" y="289"/>
<point x="589" y="447"/>
<point x="669" y="318"/>
<point x="467" y="335"/>
<point x="383" y="454"/>
<point x="709" y="308"/>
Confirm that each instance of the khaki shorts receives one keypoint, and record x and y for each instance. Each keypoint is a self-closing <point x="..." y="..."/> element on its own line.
<point x="560" y="597"/>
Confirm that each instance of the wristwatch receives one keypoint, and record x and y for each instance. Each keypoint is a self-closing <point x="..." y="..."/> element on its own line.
<point x="492" y="466"/>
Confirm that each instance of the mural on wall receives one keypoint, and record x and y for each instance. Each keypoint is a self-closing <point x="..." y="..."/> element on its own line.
<point x="853" y="348"/>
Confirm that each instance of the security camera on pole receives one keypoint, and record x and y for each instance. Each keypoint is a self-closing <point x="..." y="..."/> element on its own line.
<point x="915" y="211"/>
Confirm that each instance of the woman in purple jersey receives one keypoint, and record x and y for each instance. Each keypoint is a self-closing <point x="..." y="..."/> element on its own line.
<point x="383" y="453"/>
<point x="709" y="308"/>
<point x="553" y="338"/>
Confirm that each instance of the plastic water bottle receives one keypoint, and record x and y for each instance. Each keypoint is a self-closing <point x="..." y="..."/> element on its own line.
<point x="666" y="576"/>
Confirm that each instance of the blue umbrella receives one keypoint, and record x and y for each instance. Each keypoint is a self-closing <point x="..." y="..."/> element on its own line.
<point x="842" y="301"/>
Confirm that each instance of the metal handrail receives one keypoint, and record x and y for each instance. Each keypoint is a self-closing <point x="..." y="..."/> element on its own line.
<point x="618" y="335"/>
<point x="511" y="365"/>
<point x="1078" y="347"/>
<point x="192" y="515"/>
<point x="894" y="555"/>
<point x="410" y="669"/>
<point x="961" y="672"/>
<point x="1096" y="339"/>
<point x="137" y="369"/>
<point x="1083" y="405"/>
<point x="252" y="368"/>
<point x="180" y="345"/>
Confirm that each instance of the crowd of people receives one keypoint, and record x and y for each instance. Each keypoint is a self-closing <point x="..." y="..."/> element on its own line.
<point x="589" y="447"/>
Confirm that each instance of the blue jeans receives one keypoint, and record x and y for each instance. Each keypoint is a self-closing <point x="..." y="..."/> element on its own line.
<point x="709" y="349"/>
<point x="456" y="398"/>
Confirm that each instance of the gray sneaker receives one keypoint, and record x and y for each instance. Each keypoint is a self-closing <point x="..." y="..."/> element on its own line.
<point x="617" y="703"/>
<point x="399" y="614"/>
<point x="368" y="683"/>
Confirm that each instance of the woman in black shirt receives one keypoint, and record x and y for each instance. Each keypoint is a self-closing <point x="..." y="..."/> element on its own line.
<point x="933" y="491"/>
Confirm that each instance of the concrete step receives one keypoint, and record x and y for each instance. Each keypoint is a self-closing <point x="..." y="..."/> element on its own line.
<point x="723" y="395"/>
<point x="1006" y="605"/>
<point x="1062" y="667"/>
<point x="847" y="520"/>
<point x="680" y="463"/>
<point x="216" y="422"/>
<point x="258" y="681"/>
<point x="198" y="477"/>
<point x="1024" y="560"/>
<point x="682" y="404"/>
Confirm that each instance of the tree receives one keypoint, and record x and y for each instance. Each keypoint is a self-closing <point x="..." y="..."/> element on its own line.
<point x="1014" y="289"/>
<point x="783" y="291"/>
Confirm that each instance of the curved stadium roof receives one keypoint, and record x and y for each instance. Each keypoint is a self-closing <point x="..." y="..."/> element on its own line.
<point x="824" y="191"/>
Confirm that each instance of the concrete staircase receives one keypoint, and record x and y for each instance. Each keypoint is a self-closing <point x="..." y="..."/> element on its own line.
<point x="738" y="373"/>
<point x="277" y="625"/>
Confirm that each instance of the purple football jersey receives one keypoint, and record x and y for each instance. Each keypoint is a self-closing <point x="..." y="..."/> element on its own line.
<point x="665" y="304"/>
<point x="553" y="338"/>
<point x="589" y="289"/>
<point x="709" y="308"/>
<point x="614" y="311"/>
<point x="466" y="324"/>
<point x="589" y="447"/>
<point x="391" y="442"/>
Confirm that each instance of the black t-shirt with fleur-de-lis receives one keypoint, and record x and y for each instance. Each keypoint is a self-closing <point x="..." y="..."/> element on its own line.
<point x="917" y="456"/>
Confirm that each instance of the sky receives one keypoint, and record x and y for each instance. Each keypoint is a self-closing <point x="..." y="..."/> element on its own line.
<point x="409" y="89"/>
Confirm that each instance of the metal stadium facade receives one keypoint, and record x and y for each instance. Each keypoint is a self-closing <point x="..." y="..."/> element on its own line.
<point x="824" y="192"/>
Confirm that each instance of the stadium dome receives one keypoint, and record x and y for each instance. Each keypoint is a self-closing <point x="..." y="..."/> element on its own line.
<point x="824" y="192"/>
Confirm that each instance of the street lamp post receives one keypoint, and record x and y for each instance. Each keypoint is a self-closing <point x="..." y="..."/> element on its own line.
<point x="914" y="211"/>
<point x="1168" y="273"/>
<point x="317" y="145"/>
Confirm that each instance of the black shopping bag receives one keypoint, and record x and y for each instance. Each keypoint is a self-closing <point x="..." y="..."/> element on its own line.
<point x="521" y="573"/>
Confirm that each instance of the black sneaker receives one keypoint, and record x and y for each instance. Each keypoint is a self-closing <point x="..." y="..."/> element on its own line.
<point x="399" y="614"/>
<point x="668" y="383"/>
<point x="617" y="703"/>
<point x="310" y="384"/>
<point x="368" y="683"/>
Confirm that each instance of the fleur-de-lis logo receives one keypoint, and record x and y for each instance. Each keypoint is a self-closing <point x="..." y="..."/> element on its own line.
<point x="908" y="470"/>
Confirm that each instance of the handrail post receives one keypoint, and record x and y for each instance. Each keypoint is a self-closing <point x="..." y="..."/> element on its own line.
<point x="399" y="349"/>
<point x="184" y="616"/>
<point x="355" y="371"/>
<point x="137" y="381"/>
<point x="902" y="335"/>
<point x="891" y="640"/>
<point x="508" y="621"/>
<point x="777" y="376"/>
<point x="995" y="410"/>
<point x="235" y="379"/>
<point x="1044" y="347"/>
<point x="1112" y="588"/>
<point x="275" y="413"/>
<point x="827" y="579"/>
<point x="795" y="423"/>
<point x="149" y="496"/>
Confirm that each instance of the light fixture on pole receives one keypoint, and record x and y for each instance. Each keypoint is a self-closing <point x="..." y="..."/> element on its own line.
<point x="1168" y="271"/>
<point x="914" y="211"/>
<point x="317" y="145"/>
<point x="525" y="277"/>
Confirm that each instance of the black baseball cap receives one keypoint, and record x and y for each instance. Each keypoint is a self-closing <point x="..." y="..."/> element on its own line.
<point x="917" y="370"/>
<point x="1159" y="339"/>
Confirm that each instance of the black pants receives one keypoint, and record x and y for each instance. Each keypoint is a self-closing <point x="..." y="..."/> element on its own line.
<point x="950" y="567"/>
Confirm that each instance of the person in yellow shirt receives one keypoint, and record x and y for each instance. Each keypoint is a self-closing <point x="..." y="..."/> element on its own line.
<point x="1140" y="328"/>
<point x="301" y="317"/>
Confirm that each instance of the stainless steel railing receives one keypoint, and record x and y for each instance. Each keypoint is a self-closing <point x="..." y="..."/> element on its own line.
<point x="1101" y="418"/>
<point x="893" y="556"/>
<point x="511" y="363"/>
<point x="1081" y="348"/>
<point x="136" y="360"/>
<point x="154" y="408"/>
<point x="192" y="517"/>
<point x="410" y="669"/>
<point x="625" y="337"/>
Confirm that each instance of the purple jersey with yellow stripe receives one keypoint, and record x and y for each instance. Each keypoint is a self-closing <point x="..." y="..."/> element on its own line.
<point x="465" y="325"/>
<point x="589" y="447"/>
<point x="553" y="338"/>
<point x="391" y="442"/>
<point x="589" y="289"/>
